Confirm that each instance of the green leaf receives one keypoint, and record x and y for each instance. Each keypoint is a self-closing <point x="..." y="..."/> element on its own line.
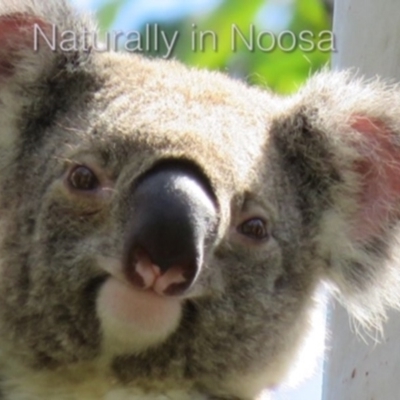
<point x="107" y="13"/>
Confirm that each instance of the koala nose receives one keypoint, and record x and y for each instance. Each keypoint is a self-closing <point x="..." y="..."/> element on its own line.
<point x="174" y="221"/>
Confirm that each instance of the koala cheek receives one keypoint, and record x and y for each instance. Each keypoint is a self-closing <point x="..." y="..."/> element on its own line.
<point x="133" y="320"/>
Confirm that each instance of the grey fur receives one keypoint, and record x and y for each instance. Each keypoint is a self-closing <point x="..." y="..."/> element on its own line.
<point x="289" y="160"/>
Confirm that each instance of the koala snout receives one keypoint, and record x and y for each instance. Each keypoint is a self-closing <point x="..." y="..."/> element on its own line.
<point x="174" y="217"/>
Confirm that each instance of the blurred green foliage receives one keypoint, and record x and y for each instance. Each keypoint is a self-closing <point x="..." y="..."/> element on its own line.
<point x="269" y="62"/>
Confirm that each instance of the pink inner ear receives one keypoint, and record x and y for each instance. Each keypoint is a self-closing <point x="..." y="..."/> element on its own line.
<point x="16" y="33"/>
<point x="380" y="169"/>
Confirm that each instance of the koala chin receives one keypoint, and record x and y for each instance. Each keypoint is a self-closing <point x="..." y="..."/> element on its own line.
<point x="165" y="231"/>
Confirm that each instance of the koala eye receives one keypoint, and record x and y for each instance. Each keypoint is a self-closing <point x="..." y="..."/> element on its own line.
<point x="254" y="228"/>
<point x="82" y="178"/>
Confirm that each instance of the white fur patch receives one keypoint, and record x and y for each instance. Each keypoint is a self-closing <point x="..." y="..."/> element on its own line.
<point x="132" y="320"/>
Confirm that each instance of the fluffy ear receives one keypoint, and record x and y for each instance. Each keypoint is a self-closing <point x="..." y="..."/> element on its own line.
<point x="340" y="144"/>
<point x="36" y="78"/>
<point x="31" y="30"/>
<point x="20" y="68"/>
<point x="17" y="41"/>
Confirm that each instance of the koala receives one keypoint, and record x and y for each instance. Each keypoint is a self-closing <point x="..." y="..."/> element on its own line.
<point x="164" y="231"/>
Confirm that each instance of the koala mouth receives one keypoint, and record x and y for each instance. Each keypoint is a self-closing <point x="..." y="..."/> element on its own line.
<point x="132" y="319"/>
<point x="150" y="276"/>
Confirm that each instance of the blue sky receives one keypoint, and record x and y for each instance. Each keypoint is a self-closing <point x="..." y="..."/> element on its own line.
<point x="136" y="12"/>
<point x="276" y="14"/>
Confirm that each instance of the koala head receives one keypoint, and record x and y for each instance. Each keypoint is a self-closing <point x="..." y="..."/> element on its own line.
<point x="166" y="229"/>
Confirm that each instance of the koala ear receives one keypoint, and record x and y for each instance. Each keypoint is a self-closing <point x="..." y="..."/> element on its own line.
<point x="17" y="44"/>
<point x="37" y="78"/>
<point x="31" y="33"/>
<point x="341" y="147"/>
<point x="20" y="71"/>
<point x="378" y="168"/>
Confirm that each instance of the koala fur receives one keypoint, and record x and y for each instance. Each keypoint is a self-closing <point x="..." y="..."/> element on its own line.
<point x="320" y="168"/>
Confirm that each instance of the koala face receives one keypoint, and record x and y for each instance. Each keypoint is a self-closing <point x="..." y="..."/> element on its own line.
<point x="108" y="210"/>
<point x="167" y="228"/>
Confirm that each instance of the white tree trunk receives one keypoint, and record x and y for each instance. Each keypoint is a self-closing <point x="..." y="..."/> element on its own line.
<point x="367" y="36"/>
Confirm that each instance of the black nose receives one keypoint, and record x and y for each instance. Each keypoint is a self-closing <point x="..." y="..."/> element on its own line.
<point x="174" y="220"/>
